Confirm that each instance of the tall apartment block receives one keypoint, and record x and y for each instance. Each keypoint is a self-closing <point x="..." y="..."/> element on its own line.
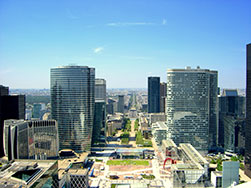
<point x="30" y="139"/>
<point x="153" y="94"/>
<point x="72" y="103"/>
<point x="162" y="97"/>
<point x="11" y="107"/>
<point x="191" y="108"/>
<point x="248" y="115"/>
<point x="121" y="103"/>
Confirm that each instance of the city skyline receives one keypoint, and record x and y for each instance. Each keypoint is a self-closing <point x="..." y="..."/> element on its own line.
<point x="126" y="42"/>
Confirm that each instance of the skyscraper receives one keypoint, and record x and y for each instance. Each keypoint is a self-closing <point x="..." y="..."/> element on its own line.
<point x="192" y="113"/>
<point x="162" y="97"/>
<point x="11" y="107"/>
<point x="100" y="89"/>
<point x="121" y="103"/>
<point x="72" y="102"/>
<point x="248" y="115"/>
<point x="153" y="94"/>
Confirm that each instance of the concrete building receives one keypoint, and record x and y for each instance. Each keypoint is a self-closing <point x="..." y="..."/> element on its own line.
<point x="153" y="94"/>
<point x="27" y="173"/>
<point x="30" y="139"/>
<point x="100" y="89"/>
<point x="228" y="177"/>
<point x="188" y="167"/>
<point x="248" y="115"/>
<point x="155" y="117"/>
<point x="11" y="107"/>
<point x="192" y="111"/>
<point x="72" y="105"/>
<point x="159" y="132"/>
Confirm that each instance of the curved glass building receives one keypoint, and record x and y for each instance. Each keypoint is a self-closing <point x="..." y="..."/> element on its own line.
<point x="72" y="103"/>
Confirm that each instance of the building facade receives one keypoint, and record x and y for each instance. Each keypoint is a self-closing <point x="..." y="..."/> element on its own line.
<point x="30" y="139"/>
<point x="72" y="103"/>
<point x="100" y="89"/>
<point x="191" y="107"/>
<point x="99" y="126"/>
<point x="153" y="94"/>
<point x="121" y="104"/>
<point x="162" y="97"/>
<point x="248" y="115"/>
<point x="11" y="107"/>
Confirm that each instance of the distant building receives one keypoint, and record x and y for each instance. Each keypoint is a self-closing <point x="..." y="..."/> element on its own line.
<point x="153" y="94"/>
<point x="248" y="115"/>
<point x="30" y="139"/>
<point x="72" y="105"/>
<point x="11" y="107"/>
<point x="192" y="111"/>
<point x="232" y="120"/>
<point x="36" y="110"/>
<point x="159" y="132"/>
<point x="110" y="106"/>
<point x="155" y="117"/>
<point x="99" y="126"/>
<point x="162" y="97"/>
<point x="121" y="104"/>
<point x="100" y="89"/>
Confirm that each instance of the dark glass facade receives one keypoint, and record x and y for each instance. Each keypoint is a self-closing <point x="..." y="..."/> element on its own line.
<point x="72" y="102"/>
<point x="153" y="94"/>
<point x="248" y="115"/>
<point x="98" y="134"/>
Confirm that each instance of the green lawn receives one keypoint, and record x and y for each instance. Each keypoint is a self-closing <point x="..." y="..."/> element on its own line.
<point x="128" y="162"/>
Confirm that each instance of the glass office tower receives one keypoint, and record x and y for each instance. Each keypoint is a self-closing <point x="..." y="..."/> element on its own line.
<point x="248" y="115"/>
<point x="153" y="94"/>
<point x="191" y="107"/>
<point x="72" y="102"/>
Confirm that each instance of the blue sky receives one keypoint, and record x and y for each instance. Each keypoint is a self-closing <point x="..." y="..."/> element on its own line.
<point x="125" y="41"/>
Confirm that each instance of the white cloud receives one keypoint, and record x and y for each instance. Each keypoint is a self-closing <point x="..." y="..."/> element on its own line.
<point x="98" y="50"/>
<point x="121" y="24"/>
<point x="164" y="22"/>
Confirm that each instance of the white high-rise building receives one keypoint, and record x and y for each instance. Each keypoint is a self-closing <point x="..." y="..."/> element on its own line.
<point x="191" y="107"/>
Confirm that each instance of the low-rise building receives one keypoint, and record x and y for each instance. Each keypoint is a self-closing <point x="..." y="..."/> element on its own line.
<point x="159" y="132"/>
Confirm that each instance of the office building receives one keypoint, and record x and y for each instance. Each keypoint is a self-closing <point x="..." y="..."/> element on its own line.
<point x="30" y="139"/>
<point x="232" y="120"/>
<point x="121" y="103"/>
<point x="248" y="115"/>
<point x="153" y="94"/>
<point x="99" y="128"/>
<point x="100" y="89"/>
<point x="162" y="97"/>
<point x="72" y="103"/>
<point x="11" y="107"/>
<point x="191" y="108"/>
<point x="110" y="107"/>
